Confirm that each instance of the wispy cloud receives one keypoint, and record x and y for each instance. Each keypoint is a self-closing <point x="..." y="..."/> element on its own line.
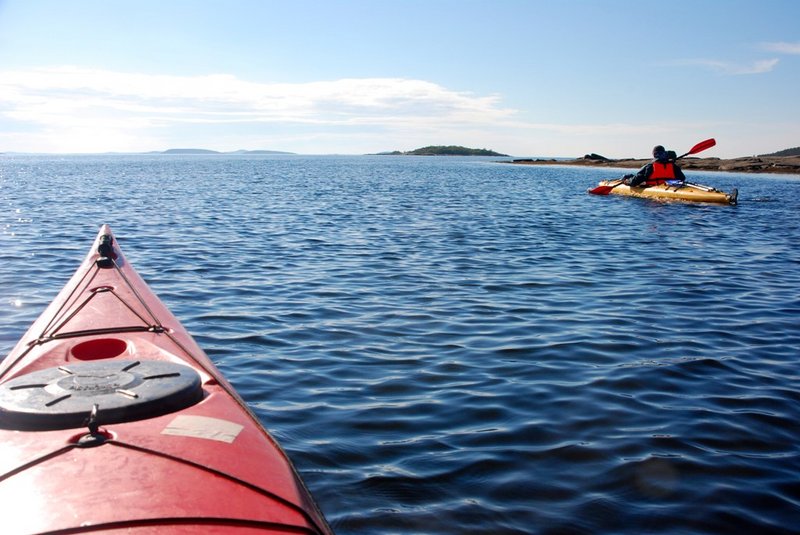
<point x="74" y="109"/>
<point x="782" y="47"/>
<point x="731" y="68"/>
<point x="69" y="99"/>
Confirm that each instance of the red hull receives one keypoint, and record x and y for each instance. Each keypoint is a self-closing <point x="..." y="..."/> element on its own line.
<point x="113" y="418"/>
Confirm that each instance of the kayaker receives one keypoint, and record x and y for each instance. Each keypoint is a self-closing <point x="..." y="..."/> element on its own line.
<point x="661" y="169"/>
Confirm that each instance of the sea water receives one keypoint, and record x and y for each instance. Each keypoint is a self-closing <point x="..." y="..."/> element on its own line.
<point x="456" y="345"/>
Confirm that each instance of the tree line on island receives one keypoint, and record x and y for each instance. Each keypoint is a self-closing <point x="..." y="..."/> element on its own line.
<point x="443" y="150"/>
<point x="795" y="151"/>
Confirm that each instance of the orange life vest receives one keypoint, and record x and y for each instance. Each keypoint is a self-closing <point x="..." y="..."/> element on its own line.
<point x="661" y="173"/>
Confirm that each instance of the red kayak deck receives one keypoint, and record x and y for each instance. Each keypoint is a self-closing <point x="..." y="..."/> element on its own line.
<point x="113" y="419"/>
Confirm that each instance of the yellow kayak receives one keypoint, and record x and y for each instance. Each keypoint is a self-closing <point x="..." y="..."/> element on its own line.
<point x="680" y="192"/>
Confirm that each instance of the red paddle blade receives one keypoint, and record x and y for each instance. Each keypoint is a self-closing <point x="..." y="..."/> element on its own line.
<point x="703" y="145"/>
<point x="601" y="190"/>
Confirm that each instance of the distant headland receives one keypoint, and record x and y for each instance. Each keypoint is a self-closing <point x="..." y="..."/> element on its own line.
<point x="207" y="151"/>
<point x="785" y="161"/>
<point x="443" y="150"/>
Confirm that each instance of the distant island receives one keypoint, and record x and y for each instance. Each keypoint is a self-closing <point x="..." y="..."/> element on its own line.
<point x="206" y="151"/>
<point x="795" y="151"/>
<point x="443" y="150"/>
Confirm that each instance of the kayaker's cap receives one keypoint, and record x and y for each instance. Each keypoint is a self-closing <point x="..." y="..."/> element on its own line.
<point x="659" y="153"/>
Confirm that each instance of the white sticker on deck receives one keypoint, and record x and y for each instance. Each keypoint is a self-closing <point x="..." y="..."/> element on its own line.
<point x="203" y="427"/>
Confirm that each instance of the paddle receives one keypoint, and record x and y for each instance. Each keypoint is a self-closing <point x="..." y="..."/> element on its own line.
<point x="700" y="147"/>
<point x="604" y="189"/>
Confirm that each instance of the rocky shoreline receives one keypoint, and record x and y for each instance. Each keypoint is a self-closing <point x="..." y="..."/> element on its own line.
<point x="751" y="164"/>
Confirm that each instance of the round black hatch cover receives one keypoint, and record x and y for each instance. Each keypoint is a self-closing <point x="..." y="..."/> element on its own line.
<point x="123" y="390"/>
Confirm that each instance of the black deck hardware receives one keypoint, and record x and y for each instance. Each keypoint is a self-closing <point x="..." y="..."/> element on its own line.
<point x="124" y="390"/>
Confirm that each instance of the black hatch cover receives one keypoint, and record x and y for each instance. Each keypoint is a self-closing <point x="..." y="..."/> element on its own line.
<point x="124" y="390"/>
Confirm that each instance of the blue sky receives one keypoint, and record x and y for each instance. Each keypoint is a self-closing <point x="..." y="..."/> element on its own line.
<point x="523" y="77"/>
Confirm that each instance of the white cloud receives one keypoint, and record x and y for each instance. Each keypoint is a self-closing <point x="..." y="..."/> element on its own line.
<point x="79" y="109"/>
<point x="782" y="47"/>
<point x="67" y="94"/>
<point x="744" y="68"/>
<point x="729" y="68"/>
<point x="73" y="109"/>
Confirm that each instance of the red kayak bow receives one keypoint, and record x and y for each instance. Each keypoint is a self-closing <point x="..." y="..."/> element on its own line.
<point x="112" y="419"/>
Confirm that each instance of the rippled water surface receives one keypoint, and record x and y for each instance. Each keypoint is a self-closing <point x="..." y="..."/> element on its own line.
<point x="452" y="345"/>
